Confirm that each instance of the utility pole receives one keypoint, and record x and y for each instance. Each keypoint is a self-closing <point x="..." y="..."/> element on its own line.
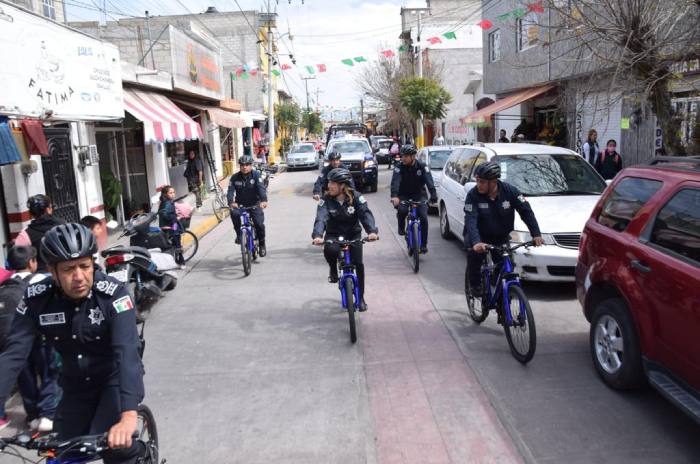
<point x="362" y="111"/>
<point x="150" y="39"/>
<point x="270" y="101"/>
<point x="306" y="85"/>
<point x="419" y="135"/>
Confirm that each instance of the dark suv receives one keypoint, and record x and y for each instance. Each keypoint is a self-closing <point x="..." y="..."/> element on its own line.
<point x="638" y="279"/>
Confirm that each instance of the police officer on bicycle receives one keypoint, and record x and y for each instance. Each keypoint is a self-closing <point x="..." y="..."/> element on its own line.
<point x="321" y="184"/>
<point x="90" y="320"/>
<point x="489" y="216"/>
<point x="409" y="181"/>
<point x="339" y="214"/>
<point x="247" y="189"/>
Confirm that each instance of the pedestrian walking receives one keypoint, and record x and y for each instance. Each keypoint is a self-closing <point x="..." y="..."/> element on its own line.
<point x="439" y="140"/>
<point x="590" y="150"/>
<point x="609" y="162"/>
<point x="41" y="210"/>
<point x="194" y="173"/>
<point x="503" y="137"/>
<point x="38" y="381"/>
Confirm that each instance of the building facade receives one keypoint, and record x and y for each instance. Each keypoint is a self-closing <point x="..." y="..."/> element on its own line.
<point x="51" y="9"/>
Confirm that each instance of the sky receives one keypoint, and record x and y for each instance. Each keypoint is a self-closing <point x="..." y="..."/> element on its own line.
<point x="323" y="32"/>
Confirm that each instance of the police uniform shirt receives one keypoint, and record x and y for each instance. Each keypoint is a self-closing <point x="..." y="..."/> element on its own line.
<point x="246" y="190"/>
<point x="97" y="338"/>
<point x="492" y="221"/>
<point x="343" y="219"/>
<point x="410" y="181"/>
<point x="321" y="183"/>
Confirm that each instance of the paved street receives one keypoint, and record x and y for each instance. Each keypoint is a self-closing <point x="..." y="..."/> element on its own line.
<point x="260" y="369"/>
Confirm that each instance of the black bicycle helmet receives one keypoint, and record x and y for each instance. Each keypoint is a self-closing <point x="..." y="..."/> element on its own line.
<point x="67" y="241"/>
<point x="245" y="159"/>
<point x="488" y="171"/>
<point x="38" y="204"/>
<point x="408" y="150"/>
<point x="340" y="176"/>
<point x="334" y="155"/>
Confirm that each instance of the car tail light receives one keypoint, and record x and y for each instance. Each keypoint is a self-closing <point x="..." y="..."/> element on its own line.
<point x="118" y="259"/>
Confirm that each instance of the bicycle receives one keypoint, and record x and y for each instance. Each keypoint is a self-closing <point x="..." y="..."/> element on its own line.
<point x="413" y="232"/>
<point x="219" y="203"/>
<point x="249" y="243"/>
<point x="347" y="282"/>
<point x="517" y="319"/>
<point x="85" y="448"/>
<point x="189" y="243"/>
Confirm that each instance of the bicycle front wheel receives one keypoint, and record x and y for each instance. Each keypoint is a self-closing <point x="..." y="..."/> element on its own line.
<point x="245" y="252"/>
<point x="350" y="306"/>
<point x="220" y="207"/>
<point x="520" y="332"/>
<point x="477" y="310"/>
<point x="190" y="245"/>
<point x="147" y="434"/>
<point x="416" y="247"/>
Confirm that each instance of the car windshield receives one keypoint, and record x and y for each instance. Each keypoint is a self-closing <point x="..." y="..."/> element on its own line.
<point x="385" y="143"/>
<point x="350" y="147"/>
<point x="439" y="158"/>
<point x="303" y="149"/>
<point x="540" y="175"/>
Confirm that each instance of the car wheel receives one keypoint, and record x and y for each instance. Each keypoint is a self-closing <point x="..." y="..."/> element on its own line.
<point x="374" y="186"/>
<point x="615" y="345"/>
<point x="444" y="223"/>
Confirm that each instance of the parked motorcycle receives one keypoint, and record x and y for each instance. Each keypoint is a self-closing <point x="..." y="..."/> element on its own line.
<point x="147" y="266"/>
<point x="266" y="173"/>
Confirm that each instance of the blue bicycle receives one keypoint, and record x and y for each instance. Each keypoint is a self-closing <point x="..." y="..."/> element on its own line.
<point x="249" y="243"/>
<point x="502" y="291"/>
<point x="413" y="233"/>
<point x="83" y="449"/>
<point x="347" y="282"/>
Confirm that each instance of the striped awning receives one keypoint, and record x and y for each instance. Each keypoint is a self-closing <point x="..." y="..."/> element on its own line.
<point x="483" y="116"/>
<point x="162" y="120"/>
<point x="220" y="117"/>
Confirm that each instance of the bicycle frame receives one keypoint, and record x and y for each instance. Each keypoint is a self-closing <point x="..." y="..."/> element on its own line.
<point x="348" y="273"/>
<point x="508" y="279"/>
<point x="412" y="219"/>
<point x="247" y="223"/>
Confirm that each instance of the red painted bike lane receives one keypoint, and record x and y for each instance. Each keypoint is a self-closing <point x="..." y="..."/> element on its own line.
<point x="426" y="402"/>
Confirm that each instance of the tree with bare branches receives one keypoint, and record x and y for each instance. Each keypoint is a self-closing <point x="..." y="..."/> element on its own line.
<point x="634" y="42"/>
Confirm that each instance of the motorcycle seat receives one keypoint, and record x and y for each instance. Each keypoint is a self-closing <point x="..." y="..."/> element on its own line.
<point x="134" y="250"/>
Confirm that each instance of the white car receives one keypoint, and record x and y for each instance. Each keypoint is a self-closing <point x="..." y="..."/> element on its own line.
<point x="435" y="157"/>
<point x="560" y="185"/>
<point x="303" y="155"/>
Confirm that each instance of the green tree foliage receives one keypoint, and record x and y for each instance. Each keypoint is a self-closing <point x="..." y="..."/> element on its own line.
<point x="421" y="95"/>
<point x="311" y="121"/>
<point x="288" y="119"/>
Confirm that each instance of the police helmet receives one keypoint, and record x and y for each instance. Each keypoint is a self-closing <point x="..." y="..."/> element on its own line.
<point x="488" y="171"/>
<point x="245" y="159"/>
<point x="408" y="150"/>
<point x="340" y="176"/>
<point x="66" y="242"/>
<point x="334" y="155"/>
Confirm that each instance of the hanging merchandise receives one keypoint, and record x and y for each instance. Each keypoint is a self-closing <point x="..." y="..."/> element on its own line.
<point x="8" y="149"/>
<point x="321" y="68"/>
<point x="348" y="61"/>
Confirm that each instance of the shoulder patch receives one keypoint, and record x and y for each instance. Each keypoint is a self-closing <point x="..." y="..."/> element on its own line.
<point x="22" y="307"/>
<point x="123" y="304"/>
<point x="522" y="199"/>
<point x="419" y="173"/>
<point x="38" y="289"/>
<point x="361" y="200"/>
<point x="107" y="287"/>
<point x="397" y="170"/>
<point x="468" y="208"/>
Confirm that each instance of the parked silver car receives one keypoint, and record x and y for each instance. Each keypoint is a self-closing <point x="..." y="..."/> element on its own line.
<point x="303" y="155"/>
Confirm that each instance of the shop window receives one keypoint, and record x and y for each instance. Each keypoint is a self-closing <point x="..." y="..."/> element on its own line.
<point x="495" y="46"/>
<point x="176" y="153"/>
<point x="49" y="9"/>
<point x="527" y="32"/>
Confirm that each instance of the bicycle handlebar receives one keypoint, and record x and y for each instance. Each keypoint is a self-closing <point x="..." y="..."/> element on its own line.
<point x="417" y="202"/>
<point x="348" y="242"/>
<point x="86" y="444"/>
<point x="527" y="244"/>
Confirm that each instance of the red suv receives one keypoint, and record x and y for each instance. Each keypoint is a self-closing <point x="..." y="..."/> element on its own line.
<point x="638" y="280"/>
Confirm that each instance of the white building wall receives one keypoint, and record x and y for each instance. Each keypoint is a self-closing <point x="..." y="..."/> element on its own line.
<point x="17" y="189"/>
<point x="87" y="178"/>
<point x="601" y="111"/>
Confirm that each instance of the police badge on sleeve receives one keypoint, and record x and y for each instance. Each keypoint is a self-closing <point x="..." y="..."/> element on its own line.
<point x="123" y="304"/>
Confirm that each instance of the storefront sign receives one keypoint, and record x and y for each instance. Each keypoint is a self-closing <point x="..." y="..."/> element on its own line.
<point x="50" y="70"/>
<point x="686" y="68"/>
<point x="196" y="68"/>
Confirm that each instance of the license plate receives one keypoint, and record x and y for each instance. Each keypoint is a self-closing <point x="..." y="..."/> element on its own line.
<point x="121" y="275"/>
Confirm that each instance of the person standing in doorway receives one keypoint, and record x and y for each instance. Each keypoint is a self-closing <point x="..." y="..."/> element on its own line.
<point x="590" y="150"/>
<point x="194" y="172"/>
<point x="41" y="210"/>
<point x="503" y="138"/>
<point x="610" y="162"/>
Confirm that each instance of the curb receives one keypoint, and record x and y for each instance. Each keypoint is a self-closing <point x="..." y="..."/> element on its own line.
<point x="203" y="228"/>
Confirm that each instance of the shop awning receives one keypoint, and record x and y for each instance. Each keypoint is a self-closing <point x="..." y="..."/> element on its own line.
<point x="162" y="120"/>
<point x="253" y="116"/>
<point x="483" y="115"/>
<point x="219" y="116"/>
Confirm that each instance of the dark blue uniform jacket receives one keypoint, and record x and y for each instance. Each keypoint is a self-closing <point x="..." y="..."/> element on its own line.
<point x="246" y="190"/>
<point x="410" y="182"/>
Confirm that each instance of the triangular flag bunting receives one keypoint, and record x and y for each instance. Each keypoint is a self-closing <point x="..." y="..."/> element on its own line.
<point x="434" y="40"/>
<point x="402" y="48"/>
<point x="309" y="69"/>
<point x="321" y="68"/>
<point x="276" y="72"/>
<point x="518" y="13"/>
<point x="286" y="67"/>
<point x="360" y="59"/>
<point x="347" y="61"/>
<point x="246" y="67"/>
<point x="504" y="17"/>
<point x="253" y="72"/>
<point x="239" y="71"/>
<point x="233" y="76"/>
<point x="388" y="53"/>
<point x="536" y="7"/>
<point x="244" y="75"/>
<point x="485" y="24"/>
<point x="449" y="35"/>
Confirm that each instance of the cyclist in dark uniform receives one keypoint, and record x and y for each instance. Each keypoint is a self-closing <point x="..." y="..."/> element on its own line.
<point x="246" y="189"/>
<point x="321" y="183"/>
<point x="339" y="214"/>
<point x="89" y="318"/>
<point x="409" y="181"/>
<point x="489" y="216"/>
